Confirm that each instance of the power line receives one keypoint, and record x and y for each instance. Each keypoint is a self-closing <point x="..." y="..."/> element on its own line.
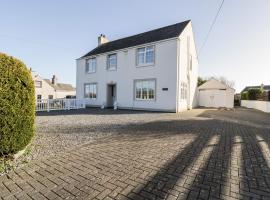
<point x="212" y="26"/>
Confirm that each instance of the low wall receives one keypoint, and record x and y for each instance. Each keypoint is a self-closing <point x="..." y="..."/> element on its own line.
<point x="259" y="105"/>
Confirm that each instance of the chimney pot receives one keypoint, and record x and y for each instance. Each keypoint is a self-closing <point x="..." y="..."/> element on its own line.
<point x="102" y="39"/>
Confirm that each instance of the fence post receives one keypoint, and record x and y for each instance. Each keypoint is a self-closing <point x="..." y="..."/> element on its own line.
<point x="48" y="105"/>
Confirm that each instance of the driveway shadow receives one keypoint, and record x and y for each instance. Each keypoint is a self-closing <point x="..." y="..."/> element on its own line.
<point x="237" y="167"/>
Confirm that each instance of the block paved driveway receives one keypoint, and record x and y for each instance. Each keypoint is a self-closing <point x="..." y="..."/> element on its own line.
<point x="200" y="154"/>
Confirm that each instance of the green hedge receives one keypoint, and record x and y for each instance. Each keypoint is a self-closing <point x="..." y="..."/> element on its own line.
<point x="254" y="94"/>
<point x="17" y="105"/>
<point x="244" y="96"/>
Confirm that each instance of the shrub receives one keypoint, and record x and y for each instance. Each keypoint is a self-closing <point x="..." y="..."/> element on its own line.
<point x="244" y="96"/>
<point x="254" y="94"/>
<point x="17" y="105"/>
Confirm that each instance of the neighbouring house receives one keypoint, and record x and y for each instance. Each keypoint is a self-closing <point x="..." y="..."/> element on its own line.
<point x="154" y="70"/>
<point x="51" y="89"/>
<point x="264" y="96"/>
<point x="265" y="88"/>
<point x="215" y="94"/>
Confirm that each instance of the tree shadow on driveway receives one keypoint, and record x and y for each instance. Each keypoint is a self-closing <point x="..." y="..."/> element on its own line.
<point x="236" y="166"/>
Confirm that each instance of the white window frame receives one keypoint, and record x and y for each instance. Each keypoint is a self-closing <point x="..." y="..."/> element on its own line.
<point x="141" y="89"/>
<point x="39" y="95"/>
<point x="38" y="84"/>
<point x="109" y="67"/>
<point x="91" y="63"/>
<point x="144" y="52"/>
<point x="91" y="88"/>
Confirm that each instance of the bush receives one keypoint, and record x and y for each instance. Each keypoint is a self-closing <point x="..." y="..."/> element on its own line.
<point x="254" y="94"/>
<point x="17" y="105"/>
<point x="244" y="96"/>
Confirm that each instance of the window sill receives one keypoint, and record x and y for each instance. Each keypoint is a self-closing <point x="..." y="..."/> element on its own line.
<point x="151" y="100"/>
<point x="145" y="65"/>
<point x="90" y="72"/>
<point x="115" y="69"/>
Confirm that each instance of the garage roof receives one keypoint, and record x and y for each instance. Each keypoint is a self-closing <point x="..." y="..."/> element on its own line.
<point x="214" y="84"/>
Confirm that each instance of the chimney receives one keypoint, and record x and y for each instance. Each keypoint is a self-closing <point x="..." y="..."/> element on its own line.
<point x="54" y="80"/>
<point x="102" y="39"/>
<point x="262" y="86"/>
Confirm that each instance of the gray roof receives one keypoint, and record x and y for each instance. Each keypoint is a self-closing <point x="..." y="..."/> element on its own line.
<point x="147" y="37"/>
<point x="265" y="87"/>
<point x="60" y="86"/>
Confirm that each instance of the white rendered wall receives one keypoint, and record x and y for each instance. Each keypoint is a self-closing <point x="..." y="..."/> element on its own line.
<point x="163" y="71"/>
<point x="259" y="105"/>
<point x="184" y="67"/>
<point x="45" y="90"/>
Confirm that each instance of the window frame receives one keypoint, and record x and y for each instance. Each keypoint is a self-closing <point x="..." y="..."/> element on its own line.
<point x="87" y="68"/>
<point x="135" y="89"/>
<point x="88" y="97"/>
<point x="40" y="97"/>
<point x="37" y="81"/>
<point x="109" y="68"/>
<point x="183" y="90"/>
<point x="144" y="64"/>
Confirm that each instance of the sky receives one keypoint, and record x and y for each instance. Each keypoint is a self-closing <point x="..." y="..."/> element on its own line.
<point x="49" y="35"/>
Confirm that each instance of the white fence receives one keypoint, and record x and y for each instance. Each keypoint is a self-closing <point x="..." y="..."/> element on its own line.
<point x="259" y="105"/>
<point x="59" y="104"/>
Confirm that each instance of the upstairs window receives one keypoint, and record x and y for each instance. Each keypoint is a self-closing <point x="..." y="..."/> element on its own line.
<point x="112" y="62"/>
<point x="91" y="65"/>
<point x="145" y="55"/>
<point x="38" y="84"/>
<point x="90" y="90"/>
<point x="145" y="89"/>
<point x="39" y="97"/>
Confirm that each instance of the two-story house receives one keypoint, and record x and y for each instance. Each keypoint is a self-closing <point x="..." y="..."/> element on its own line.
<point x="51" y="89"/>
<point x="154" y="70"/>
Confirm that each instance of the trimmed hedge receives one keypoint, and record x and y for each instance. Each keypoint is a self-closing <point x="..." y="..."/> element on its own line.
<point x="17" y="105"/>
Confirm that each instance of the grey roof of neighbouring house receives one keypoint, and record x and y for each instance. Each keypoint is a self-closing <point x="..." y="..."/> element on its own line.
<point x="147" y="37"/>
<point x="60" y="86"/>
<point x="265" y="87"/>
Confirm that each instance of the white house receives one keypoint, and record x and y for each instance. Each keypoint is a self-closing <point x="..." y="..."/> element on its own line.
<point x="154" y="70"/>
<point x="51" y="89"/>
<point x="215" y="94"/>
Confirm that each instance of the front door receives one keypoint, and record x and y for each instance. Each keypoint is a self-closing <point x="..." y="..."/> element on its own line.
<point x="111" y="95"/>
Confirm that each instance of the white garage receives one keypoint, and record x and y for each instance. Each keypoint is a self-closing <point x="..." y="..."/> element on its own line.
<point x="215" y="94"/>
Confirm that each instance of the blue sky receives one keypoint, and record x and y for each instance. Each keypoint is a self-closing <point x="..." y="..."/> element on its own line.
<point x="49" y="35"/>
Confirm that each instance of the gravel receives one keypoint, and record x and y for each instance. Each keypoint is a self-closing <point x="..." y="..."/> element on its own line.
<point x="62" y="130"/>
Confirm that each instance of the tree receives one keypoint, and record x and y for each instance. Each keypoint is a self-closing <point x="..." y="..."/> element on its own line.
<point x="201" y="81"/>
<point x="227" y="82"/>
